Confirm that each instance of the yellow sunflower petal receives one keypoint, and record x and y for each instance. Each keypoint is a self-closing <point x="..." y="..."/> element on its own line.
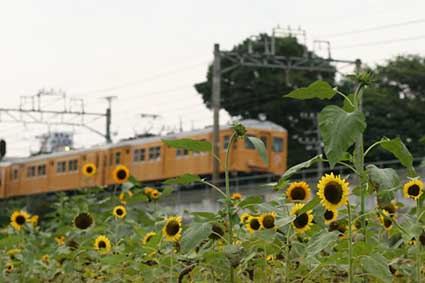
<point x="413" y="189"/>
<point x="298" y="191"/>
<point x="333" y="191"/>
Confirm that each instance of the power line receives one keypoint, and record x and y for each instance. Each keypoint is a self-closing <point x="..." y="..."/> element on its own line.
<point x="376" y="28"/>
<point x="147" y="79"/>
<point x="389" y="41"/>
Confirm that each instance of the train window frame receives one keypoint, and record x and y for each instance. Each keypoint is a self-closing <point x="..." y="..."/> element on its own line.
<point x="265" y="140"/>
<point x="117" y="157"/>
<point x="139" y="155"/>
<point x="182" y="153"/>
<point x="73" y="168"/>
<point x="279" y="149"/>
<point x="15" y="174"/>
<point x="41" y="170"/>
<point x="248" y="144"/>
<point x="154" y="153"/>
<point x="31" y="171"/>
<point x="63" y="170"/>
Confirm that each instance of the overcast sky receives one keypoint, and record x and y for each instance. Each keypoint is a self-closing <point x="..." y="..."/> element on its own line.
<point x="150" y="53"/>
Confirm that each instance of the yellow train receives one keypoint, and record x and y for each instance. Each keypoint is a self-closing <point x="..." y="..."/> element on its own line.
<point x="148" y="159"/>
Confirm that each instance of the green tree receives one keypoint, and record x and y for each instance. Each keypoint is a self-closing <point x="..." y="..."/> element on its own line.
<point x="248" y="92"/>
<point x="395" y="105"/>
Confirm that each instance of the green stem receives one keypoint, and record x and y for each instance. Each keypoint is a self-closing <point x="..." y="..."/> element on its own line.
<point x="350" y="246"/>
<point x="372" y="146"/>
<point x="346" y="98"/>
<point x="228" y="200"/>
<point x="418" y="243"/>
<point x="214" y="187"/>
<point x="287" y="251"/>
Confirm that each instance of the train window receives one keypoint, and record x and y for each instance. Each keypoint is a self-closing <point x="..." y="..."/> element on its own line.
<point x="139" y="155"/>
<point x="30" y="171"/>
<point x="15" y="174"/>
<point x="264" y="140"/>
<point x="41" y="170"/>
<point x="248" y="144"/>
<point x="73" y="165"/>
<point x="117" y="157"/>
<point x="181" y="152"/>
<point x="154" y="153"/>
<point x="277" y="145"/>
<point x="60" y="166"/>
<point x="226" y="141"/>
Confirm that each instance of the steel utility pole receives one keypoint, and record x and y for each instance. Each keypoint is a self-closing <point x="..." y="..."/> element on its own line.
<point x="109" y="118"/>
<point x="270" y="60"/>
<point x="216" y="90"/>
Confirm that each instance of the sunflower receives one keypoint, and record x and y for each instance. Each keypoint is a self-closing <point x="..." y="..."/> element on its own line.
<point x="172" y="229"/>
<point x="18" y="219"/>
<point x="217" y="232"/>
<point x="333" y="191"/>
<point x="413" y="189"/>
<point x="120" y="174"/>
<point x="147" y="191"/>
<point x="154" y="194"/>
<point x="298" y="191"/>
<point x="13" y="252"/>
<point x="122" y="197"/>
<point x="34" y="220"/>
<point x="267" y="220"/>
<point x="236" y="196"/>
<point x="60" y="240"/>
<point x="340" y="227"/>
<point x="148" y="237"/>
<point x="244" y="218"/>
<point x="89" y="169"/>
<point x="330" y="216"/>
<point x="9" y="267"/>
<point x="253" y="224"/>
<point x="102" y="244"/>
<point x="119" y="211"/>
<point x="386" y="220"/>
<point x="83" y="221"/>
<point x="302" y="223"/>
<point x="412" y="241"/>
<point x="45" y="259"/>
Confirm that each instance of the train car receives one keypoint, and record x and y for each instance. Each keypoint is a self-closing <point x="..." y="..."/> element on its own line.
<point x="148" y="159"/>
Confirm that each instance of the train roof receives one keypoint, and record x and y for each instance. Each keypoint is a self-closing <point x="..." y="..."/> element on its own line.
<point x="248" y="123"/>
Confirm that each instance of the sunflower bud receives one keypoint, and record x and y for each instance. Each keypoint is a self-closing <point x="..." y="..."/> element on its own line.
<point x="239" y="130"/>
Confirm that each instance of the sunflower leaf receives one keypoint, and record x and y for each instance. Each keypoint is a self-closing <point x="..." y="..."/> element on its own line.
<point x="310" y="205"/>
<point x="399" y="150"/>
<point x="189" y="144"/>
<point x="383" y="181"/>
<point x="318" y="89"/>
<point x="185" y="179"/>
<point x="250" y="201"/>
<point x="320" y="243"/>
<point x="195" y="235"/>
<point x="339" y="130"/>
<point x="377" y="268"/>
<point x="261" y="149"/>
<point x="294" y="169"/>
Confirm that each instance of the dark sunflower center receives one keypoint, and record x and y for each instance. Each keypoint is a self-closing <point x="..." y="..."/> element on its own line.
<point x="102" y="245"/>
<point x="120" y="211"/>
<point x="413" y="190"/>
<point x="329" y="214"/>
<point x="254" y="224"/>
<point x="301" y="221"/>
<point x="390" y="209"/>
<point x="172" y="228"/>
<point x="121" y="174"/>
<point x="149" y="238"/>
<point x="333" y="192"/>
<point x="298" y="193"/>
<point x="422" y="238"/>
<point x="217" y="232"/>
<point x="89" y="169"/>
<point x="268" y="221"/>
<point x="387" y="222"/>
<point x="83" y="221"/>
<point x="20" y="220"/>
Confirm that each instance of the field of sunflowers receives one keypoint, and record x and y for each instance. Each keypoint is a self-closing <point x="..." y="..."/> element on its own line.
<point x="321" y="233"/>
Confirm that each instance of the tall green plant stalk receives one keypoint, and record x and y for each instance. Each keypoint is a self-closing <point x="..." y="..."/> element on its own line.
<point x="350" y="246"/>
<point x="418" y="243"/>
<point x="228" y="199"/>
